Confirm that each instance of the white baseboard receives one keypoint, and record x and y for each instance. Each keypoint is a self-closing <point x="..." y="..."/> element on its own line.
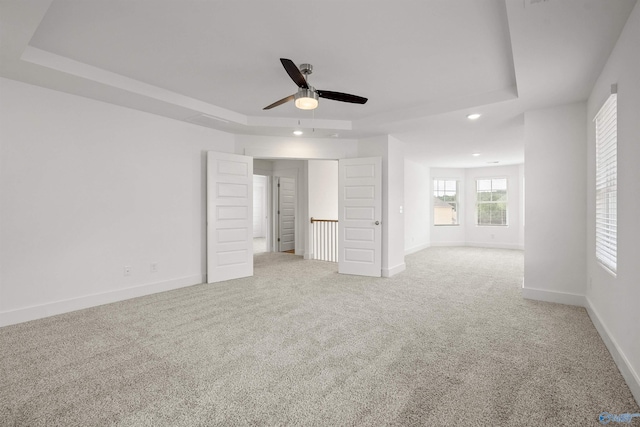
<point x="495" y="245"/>
<point x="479" y="245"/>
<point x="554" y="296"/>
<point x="444" y="244"/>
<point x="59" y="307"/>
<point x="628" y="373"/>
<point x="388" y="272"/>
<point x="415" y="249"/>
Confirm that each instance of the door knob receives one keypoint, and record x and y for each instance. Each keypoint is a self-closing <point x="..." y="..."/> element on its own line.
<point x="377" y="223"/>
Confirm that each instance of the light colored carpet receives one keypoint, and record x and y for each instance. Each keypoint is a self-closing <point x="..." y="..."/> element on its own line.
<point x="447" y="342"/>
<point x="259" y="245"/>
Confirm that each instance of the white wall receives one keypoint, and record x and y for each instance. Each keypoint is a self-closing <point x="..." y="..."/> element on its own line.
<point x="614" y="302"/>
<point x="323" y="189"/>
<point x="262" y="167"/>
<point x="395" y="189"/>
<point x="87" y="188"/>
<point x="417" y="207"/>
<point x="555" y="156"/>
<point x="271" y="147"/>
<point x="467" y="233"/>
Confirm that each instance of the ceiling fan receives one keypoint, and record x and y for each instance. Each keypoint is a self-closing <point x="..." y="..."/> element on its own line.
<point x="307" y="96"/>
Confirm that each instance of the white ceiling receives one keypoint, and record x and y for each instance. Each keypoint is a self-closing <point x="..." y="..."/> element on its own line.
<point x="423" y="64"/>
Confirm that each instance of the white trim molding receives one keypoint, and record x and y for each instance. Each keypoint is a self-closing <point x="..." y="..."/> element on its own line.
<point x="59" y="307"/>
<point x="554" y="296"/>
<point x="513" y="246"/>
<point x="388" y="272"/>
<point x="446" y="244"/>
<point x="622" y="362"/>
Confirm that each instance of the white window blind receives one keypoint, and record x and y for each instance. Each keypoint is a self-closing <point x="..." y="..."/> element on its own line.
<point x="606" y="183"/>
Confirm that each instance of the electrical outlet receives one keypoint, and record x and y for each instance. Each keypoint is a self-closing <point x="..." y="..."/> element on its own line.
<point x="127" y="270"/>
<point x="154" y="267"/>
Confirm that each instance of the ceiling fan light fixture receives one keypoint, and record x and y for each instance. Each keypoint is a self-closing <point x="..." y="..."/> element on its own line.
<point x="306" y="99"/>
<point x="307" y="96"/>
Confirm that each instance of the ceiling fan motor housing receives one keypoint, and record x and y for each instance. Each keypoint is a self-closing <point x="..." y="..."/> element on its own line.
<point x="306" y="69"/>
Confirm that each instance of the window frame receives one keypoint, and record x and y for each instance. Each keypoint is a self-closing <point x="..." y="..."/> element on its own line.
<point x="505" y="201"/>
<point x="606" y="180"/>
<point x="457" y="200"/>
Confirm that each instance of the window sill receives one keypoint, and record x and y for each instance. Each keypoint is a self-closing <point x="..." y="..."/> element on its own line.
<point x="607" y="269"/>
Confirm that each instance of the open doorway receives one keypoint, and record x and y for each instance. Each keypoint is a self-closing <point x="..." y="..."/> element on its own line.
<point x="230" y="213"/>
<point x="260" y="214"/>
<point x="281" y="205"/>
<point x="286" y="214"/>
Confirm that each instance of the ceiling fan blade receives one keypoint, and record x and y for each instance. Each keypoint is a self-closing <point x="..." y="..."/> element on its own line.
<point x="294" y="73"/>
<point x="339" y="96"/>
<point x="282" y="101"/>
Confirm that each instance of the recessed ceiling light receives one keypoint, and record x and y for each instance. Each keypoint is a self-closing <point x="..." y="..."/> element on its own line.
<point x="475" y="154"/>
<point x="474" y="116"/>
<point x="297" y="132"/>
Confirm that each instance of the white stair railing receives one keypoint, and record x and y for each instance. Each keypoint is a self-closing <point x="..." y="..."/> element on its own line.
<point x="325" y="239"/>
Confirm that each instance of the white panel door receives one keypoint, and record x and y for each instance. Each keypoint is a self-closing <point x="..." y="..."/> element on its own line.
<point x="287" y="213"/>
<point x="360" y="216"/>
<point x="229" y="216"/>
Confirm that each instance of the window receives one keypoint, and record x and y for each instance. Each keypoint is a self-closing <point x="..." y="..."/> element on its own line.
<point x="445" y="202"/>
<point x="606" y="183"/>
<point x="491" y="200"/>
